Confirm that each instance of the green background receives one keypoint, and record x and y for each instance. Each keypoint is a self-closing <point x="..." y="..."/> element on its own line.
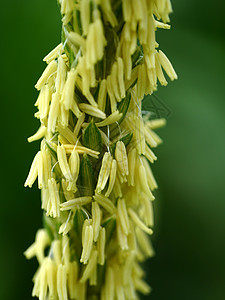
<point x="189" y="234"/>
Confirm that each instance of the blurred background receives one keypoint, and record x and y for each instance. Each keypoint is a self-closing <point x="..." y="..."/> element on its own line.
<point x="189" y="234"/>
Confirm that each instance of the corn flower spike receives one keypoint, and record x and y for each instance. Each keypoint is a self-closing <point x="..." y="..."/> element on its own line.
<point x="93" y="166"/>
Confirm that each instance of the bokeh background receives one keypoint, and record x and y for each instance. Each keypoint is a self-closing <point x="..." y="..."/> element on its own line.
<point x="189" y="234"/>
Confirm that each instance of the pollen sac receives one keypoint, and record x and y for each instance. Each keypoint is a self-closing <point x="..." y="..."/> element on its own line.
<point x="121" y="158"/>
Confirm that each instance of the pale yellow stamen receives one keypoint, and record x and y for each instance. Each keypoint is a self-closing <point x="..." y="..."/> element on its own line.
<point x="57" y="252"/>
<point x="104" y="172"/>
<point x="67" y="133"/>
<point x="68" y="194"/>
<point x="142" y="286"/>
<point x="122" y="237"/>
<point x="159" y="72"/>
<point x="107" y="10"/>
<point x="143" y="182"/>
<point x="147" y="210"/>
<point x="132" y="156"/>
<point x="150" y="155"/>
<point x="121" y="77"/>
<point x="54" y="201"/>
<point x="68" y="92"/>
<point x="113" y="118"/>
<point x="61" y="75"/>
<point x="40" y="171"/>
<point x="90" y="266"/>
<point x="155" y="124"/>
<point x="127" y="269"/>
<point x="112" y="178"/>
<point x="38" y="247"/>
<point x="96" y="216"/>
<point x="53" y="113"/>
<point x="150" y="177"/>
<point x="72" y="271"/>
<point x="54" y="53"/>
<point x="92" y="111"/>
<point x="87" y="241"/>
<point x="144" y="243"/>
<point x="123" y="216"/>
<point x="50" y="69"/>
<point x="40" y="285"/>
<point x="38" y="135"/>
<point x="74" y="164"/>
<point x="138" y="222"/>
<point x="52" y="278"/>
<point x="63" y="163"/>
<point x="33" y="171"/>
<point x="67" y="226"/>
<point x="102" y="95"/>
<point x="78" y="125"/>
<point x="105" y="203"/>
<point x="111" y="94"/>
<point x="62" y="282"/>
<point x="167" y="66"/>
<point x="77" y="39"/>
<point x="149" y="138"/>
<point x="121" y="158"/>
<point x="85" y="15"/>
<point x="81" y="150"/>
<point x="71" y="204"/>
<point x="101" y="246"/>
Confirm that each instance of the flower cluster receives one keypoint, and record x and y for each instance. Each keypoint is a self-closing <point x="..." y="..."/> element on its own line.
<point x="93" y="165"/>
